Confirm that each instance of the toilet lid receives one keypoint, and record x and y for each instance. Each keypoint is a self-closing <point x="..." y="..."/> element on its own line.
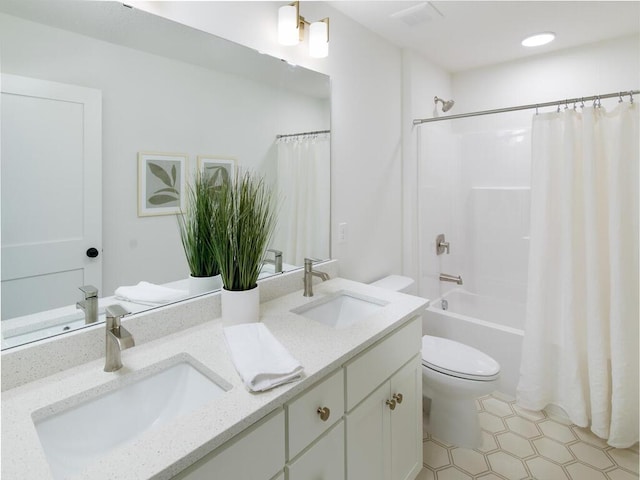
<point x="458" y="360"/>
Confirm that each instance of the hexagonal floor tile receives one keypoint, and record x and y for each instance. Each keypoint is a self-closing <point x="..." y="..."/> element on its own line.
<point x="514" y="444"/>
<point x="426" y="474"/>
<point x="452" y="473"/>
<point x="490" y="422"/>
<point x="587" y="436"/>
<point x="553" y="450"/>
<point x="580" y="471"/>
<point x="625" y="458"/>
<point x="469" y="460"/>
<point x="504" y="464"/>
<point x="619" y="474"/>
<point x="523" y="427"/>
<point x="557" y="431"/>
<point x="497" y="407"/>
<point x="543" y="468"/>
<point x="591" y="455"/>
<point x="490" y="476"/>
<point x="434" y="455"/>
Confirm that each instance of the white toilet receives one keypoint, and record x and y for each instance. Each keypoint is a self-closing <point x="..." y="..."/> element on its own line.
<point x="453" y="376"/>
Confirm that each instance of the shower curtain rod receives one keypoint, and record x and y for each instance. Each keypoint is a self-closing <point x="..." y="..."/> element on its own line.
<point x="317" y="132"/>
<point x="530" y="106"/>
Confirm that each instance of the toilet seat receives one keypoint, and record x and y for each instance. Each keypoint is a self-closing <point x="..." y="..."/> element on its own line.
<point x="458" y="360"/>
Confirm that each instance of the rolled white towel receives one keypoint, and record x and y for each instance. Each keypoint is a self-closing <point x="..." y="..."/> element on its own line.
<point x="259" y="358"/>
<point x="150" y="294"/>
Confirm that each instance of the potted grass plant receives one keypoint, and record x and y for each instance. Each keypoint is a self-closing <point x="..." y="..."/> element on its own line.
<point x="242" y="229"/>
<point x="196" y="233"/>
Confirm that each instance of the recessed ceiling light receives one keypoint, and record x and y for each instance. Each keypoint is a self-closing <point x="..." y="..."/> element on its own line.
<point x="538" y="39"/>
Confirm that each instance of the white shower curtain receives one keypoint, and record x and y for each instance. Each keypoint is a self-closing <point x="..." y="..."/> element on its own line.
<point x="580" y="348"/>
<point x="304" y="187"/>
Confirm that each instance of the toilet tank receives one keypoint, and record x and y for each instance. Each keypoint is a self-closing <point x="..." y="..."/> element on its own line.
<point x="397" y="283"/>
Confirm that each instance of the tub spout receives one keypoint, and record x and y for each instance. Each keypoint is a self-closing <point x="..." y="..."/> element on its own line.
<point x="445" y="277"/>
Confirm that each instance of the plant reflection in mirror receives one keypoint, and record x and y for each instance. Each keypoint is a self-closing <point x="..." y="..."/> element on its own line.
<point x="196" y="227"/>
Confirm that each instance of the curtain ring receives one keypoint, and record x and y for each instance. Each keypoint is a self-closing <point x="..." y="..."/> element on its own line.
<point x="582" y="102"/>
<point x="566" y="104"/>
<point x="558" y="110"/>
<point x="620" y="97"/>
<point x="575" y="106"/>
<point x="536" y="109"/>
<point x="631" y="97"/>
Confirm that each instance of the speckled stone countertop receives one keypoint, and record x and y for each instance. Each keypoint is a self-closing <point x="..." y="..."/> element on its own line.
<point x="164" y="451"/>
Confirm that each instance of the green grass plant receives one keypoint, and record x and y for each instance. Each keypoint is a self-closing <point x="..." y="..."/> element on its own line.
<point x="242" y="230"/>
<point x="196" y="227"/>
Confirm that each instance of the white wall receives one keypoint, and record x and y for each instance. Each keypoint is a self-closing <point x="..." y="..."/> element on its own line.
<point x="152" y="103"/>
<point x="366" y="142"/>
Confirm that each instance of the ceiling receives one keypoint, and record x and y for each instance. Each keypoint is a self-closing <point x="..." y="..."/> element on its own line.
<point x="462" y="35"/>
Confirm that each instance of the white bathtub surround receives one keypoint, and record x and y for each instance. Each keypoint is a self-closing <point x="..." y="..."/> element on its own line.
<point x="163" y="452"/>
<point x="580" y="348"/>
<point x="260" y="359"/>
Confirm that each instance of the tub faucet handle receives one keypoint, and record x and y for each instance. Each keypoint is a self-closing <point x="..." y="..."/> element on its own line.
<point x="441" y="245"/>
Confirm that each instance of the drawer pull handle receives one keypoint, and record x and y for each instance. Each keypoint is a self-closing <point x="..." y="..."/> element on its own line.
<point x="392" y="404"/>
<point x="398" y="397"/>
<point x="324" y="413"/>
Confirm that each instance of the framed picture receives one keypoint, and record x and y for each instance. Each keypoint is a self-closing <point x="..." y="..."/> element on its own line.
<point x="161" y="183"/>
<point x="218" y="170"/>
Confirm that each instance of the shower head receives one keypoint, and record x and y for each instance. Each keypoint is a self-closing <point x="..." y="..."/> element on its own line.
<point x="446" y="104"/>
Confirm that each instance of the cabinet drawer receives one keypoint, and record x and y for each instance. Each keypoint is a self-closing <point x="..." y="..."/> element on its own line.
<point x="323" y="461"/>
<point x="256" y="453"/>
<point x="379" y="362"/>
<point x="303" y="419"/>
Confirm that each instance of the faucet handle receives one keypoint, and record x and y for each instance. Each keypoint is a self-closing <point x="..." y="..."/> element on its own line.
<point x="277" y="253"/>
<point x="116" y="311"/>
<point x="89" y="291"/>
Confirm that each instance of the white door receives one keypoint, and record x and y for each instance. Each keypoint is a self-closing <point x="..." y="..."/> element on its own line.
<point x="51" y="193"/>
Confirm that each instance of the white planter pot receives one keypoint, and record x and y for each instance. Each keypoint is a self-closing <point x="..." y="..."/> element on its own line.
<point x="200" y="285"/>
<point x="240" y="306"/>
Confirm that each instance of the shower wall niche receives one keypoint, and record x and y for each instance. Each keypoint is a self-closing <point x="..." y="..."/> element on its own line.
<point x="473" y="186"/>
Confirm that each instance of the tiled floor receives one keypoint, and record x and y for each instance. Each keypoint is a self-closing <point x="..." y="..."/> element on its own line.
<point x="519" y="444"/>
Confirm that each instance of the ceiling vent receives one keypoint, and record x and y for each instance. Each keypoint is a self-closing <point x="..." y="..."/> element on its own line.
<point x="418" y="14"/>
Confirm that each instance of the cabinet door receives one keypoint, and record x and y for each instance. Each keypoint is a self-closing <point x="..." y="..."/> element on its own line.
<point x="255" y="454"/>
<point x="406" y="423"/>
<point x="324" y="460"/>
<point x="368" y="438"/>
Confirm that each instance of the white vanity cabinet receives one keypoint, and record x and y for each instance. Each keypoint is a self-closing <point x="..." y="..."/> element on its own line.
<point x="255" y="454"/>
<point x="360" y="422"/>
<point x="384" y="398"/>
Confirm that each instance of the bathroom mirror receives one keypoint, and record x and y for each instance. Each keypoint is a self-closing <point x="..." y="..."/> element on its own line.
<point x="165" y="90"/>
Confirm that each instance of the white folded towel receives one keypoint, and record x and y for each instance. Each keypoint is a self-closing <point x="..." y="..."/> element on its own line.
<point x="259" y="358"/>
<point x="150" y="294"/>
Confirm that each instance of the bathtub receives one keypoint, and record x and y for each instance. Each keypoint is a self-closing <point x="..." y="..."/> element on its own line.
<point x="492" y="325"/>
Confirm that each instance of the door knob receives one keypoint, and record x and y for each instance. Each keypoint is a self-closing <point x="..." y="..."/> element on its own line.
<point x="398" y="397"/>
<point x="392" y="404"/>
<point x="93" y="252"/>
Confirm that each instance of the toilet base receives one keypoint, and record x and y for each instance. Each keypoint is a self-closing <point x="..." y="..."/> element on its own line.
<point x="453" y="420"/>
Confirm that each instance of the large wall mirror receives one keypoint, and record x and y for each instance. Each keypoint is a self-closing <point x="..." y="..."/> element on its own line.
<point x="93" y="91"/>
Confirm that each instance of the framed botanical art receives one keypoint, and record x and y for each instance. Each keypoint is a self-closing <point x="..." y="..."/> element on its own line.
<point x="161" y="183"/>
<point x="218" y="170"/>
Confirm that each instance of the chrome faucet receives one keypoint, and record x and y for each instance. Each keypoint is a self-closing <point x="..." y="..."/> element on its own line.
<point x="309" y="273"/>
<point x="117" y="338"/>
<point x="277" y="260"/>
<point x="90" y="304"/>
<point x="445" y="277"/>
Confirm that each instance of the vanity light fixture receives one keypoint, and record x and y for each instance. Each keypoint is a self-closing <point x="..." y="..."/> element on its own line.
<point x="538" y="39"/>
<point x="291" y="27"/>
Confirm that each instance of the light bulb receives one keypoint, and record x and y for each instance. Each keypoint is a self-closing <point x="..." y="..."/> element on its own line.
<point x="288" y="33"/>
<point x="319" y="39"/>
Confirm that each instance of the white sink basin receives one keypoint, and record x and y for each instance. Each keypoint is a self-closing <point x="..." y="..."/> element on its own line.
<point x="341" y="309"/>
<point x="75" y="437"/>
